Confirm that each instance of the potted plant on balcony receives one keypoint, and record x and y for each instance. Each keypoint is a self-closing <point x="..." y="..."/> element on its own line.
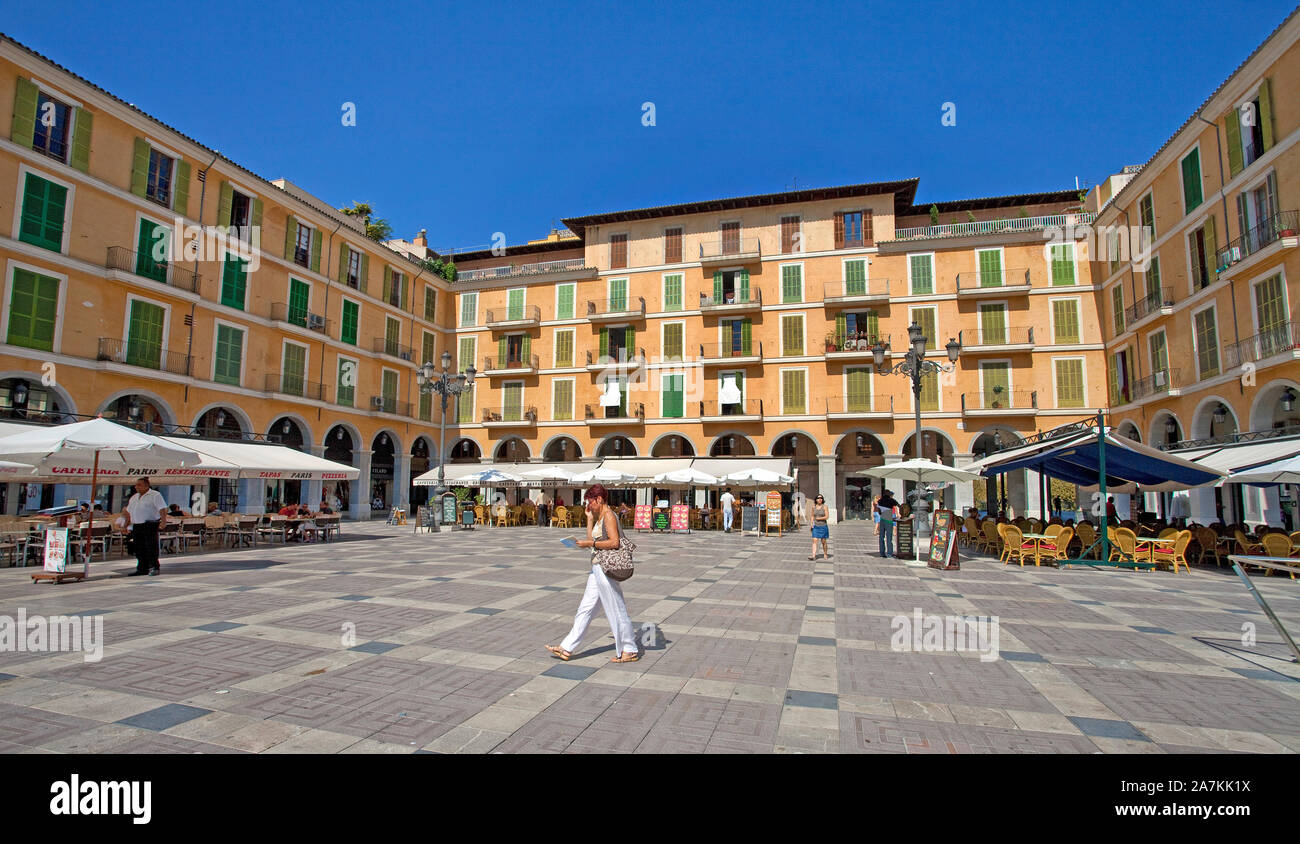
<point x="832" y="345"/>
<point x="997" y="396"/>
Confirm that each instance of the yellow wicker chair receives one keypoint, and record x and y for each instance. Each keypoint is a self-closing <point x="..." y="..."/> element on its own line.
<point x="1278" y="545"/>
<point x="1178" y="554"/>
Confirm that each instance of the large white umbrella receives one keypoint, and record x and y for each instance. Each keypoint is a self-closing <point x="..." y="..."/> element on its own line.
<point x="7" y="468"/>
<point x="921" y="471"/>
<point x="689" y="476"/>
<point x="550" y="473"/>
<point x="483" y="477"/>
<point x="756" y="476"/>
<point x="601" y="475"/>
<point x="1285" y="471"/>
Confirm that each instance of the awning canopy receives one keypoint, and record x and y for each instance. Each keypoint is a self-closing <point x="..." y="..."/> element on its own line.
<point x="1077" y="459"/>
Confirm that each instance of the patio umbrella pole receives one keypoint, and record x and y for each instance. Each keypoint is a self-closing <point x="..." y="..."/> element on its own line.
<point x="90" y="524"/>
<point x="1101" y="486"/>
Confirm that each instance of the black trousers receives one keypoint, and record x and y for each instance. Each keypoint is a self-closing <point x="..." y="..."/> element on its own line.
<point x="144" y="536"/>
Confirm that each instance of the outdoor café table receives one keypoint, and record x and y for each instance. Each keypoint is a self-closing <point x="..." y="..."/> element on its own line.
<point x="1037" y="539"/>
<point x="1151" y="542"/>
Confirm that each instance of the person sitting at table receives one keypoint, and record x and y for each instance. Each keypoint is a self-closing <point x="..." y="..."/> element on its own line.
<point x="174" y="511"/>
<point x="213" y="509"/>
<point x="288" y="510"/>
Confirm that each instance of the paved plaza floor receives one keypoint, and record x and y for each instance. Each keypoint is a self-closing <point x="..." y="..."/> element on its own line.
<point x="749" y="648"/>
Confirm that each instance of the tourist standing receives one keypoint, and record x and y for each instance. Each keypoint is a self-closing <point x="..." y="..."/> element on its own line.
<point x="146" y="514"/>
<point x="887" y="508"/>
<point x="728" y="504"/>
<point x="821" y="531"/>
<point x="603" y="532"/>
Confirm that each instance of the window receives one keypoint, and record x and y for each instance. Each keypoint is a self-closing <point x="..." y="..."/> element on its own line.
<point x="562" y="399"/>
<point x="394" y="288"/>
<point x="921" y="274"/>
<point x="515" y="304"/>
<point x="856" y="330"/>
<point x="564" y="348"/>
<point x="672" y="396"/>
<point x="388" y="388"/>
<point x="855" y="277"/>
<point x="241" y="210"/>
<point x="1147" y="214"/>
<point x="428" y="347"/>
<point x="617" y="251"/>
<point x="736" y="337"/>
<point x="1250" y="128"/>
<point x="857" y="382"/>
<point x="44" y="207"/>
<point x="302" y="252"/>
<point x="467" y="353"/>
<point x="229" y="356"/>
<point x="673" y="245"/>
<point x="347" y="382"/>
<point x="791" y="283"/>
<point x="1069" y="382"/>
<point x="990" y="264"/>
<point x="293" y="369"/>
<point x="1065" y="320"/>
<point x="791" y="334"/>
<point x="465" y="406"/>
<point x="468" y="309"/>
<point x="151" y="251"/>
<point x="993" y="325"/>
<point x="158" y="187"/>
<point x="674" y="342"/>
<point x="1201" y="246"/>
<point x="737" y="377"/>
<point x="927" y="318"/>
<point x="791" y="239"/>
<point x="995" y="380"/>
<point x="1191" y="167"/>
<point x="730" y="238"/>
<point x="617" y="343"/>
<point x="351" y="319"/>
<point x="1256" y="212"/>
<point x="1117" y="308"/>
<point x="618" y="294"/>
<point x="238" y="210"/>
<point x="673" y="292"/>
<point x="353" y="276"/>
<point x="1154" y="293"/>
<point x="564" y="296"/>
<point x="730" y="286"/>
<point x="930" y="392"/>
<point x="852" y="229"/>
<point x="430" y="303"/>
<point x="426" y="407"/>
<point x="392" y="337"/>
<point x="234" y="282"/>
<point x="1207" y="343"/>
<point x="794" y="394"/>
<point x="1159" y="350"/>
<point x="1063" y="264"/>
<point x="514" y="350"/>
<point x="145" y="335"/>
<point x="1271" y="316"/>
<point x="52" y="122"/>
<point x="512" y="401"/>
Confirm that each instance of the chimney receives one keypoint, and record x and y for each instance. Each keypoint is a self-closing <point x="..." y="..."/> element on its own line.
<point x="422" y="239"/>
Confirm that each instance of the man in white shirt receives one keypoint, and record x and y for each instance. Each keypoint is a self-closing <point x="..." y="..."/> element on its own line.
<point x="727" y="502"/>
<point x="146" y="513"/>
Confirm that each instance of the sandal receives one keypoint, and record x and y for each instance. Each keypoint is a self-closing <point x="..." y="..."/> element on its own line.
<point x="627" y="657"/>
<point x="559" y="652"/>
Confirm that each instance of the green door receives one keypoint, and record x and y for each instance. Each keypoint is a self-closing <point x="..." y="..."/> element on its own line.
<point x="33" y="308"/>
<point x="673" y="396"/>
<point x="348" y="329"/>
<point x="42" y="219"/>
<point x="144" y="345"/>
<point x="855" y="278"/>
<point x="990" y="268"/>
<point x="299" y="294"/>
<point x="515" y="305"/>
<point x="295" y="365"/>
<point x="230" y="353"/>
<point x="997" y="383"/>
<point x="390" y="391"/>
<point x="512" y="409"/>
<point x="993" y="325"/>
<point x="234" y="283"/>
<point x="150" y="253"/>
<point x="618" y="294"/>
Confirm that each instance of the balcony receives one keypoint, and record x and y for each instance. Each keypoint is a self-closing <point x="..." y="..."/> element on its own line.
<point x="514" y="317"/>
<point x="1281" y="227"/>
<point x="497" y="367"/>
<point x="597" y="415"/>
<point x="854" y="345"/>
<point x="1282" y="339"/>
<point x="617" y="360"/>
<point x="1006" y="283"/>
<point x="611" y="310"/>
<point x="860" y="407"/>
<point x="394" y="349"/>
<point x="1161" y="382"/>
<point x="563" y="270"/>
<point x="872" y="291"/>
<point x="386" y="404"/>
<point x="509" y="417"/>
<point x="294" y="385"/>
<point x="999" y="402"/>
<point x="726" y="354"/>
<point x="147" y="355"/>
<point x="1159" y="302"/>
<point x="141" y="264"/>
<point x="733" y="302"/>
<point x="730" y="250"/>
<point x="1009" y="339"/>
<point x="987" y="227"/>
<point x="280" y="312"/>
<point x="749" y="410"/>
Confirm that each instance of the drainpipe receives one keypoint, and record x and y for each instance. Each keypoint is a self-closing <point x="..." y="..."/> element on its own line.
<point x="189" y="347"/>
<point x="1223" y="196"/>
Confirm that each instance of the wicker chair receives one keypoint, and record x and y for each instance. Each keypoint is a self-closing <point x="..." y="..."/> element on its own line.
<point x="1278" y="545"/>
<point x="992" y="540"/>
<point x="1053" y="530"/>
<point x="1061" y="544"/>
<point x="1211" y="545"/>
<point x="1087" y="535"/>
<point x="480" y="515"/>
<point x="1168" y="532"/>
<point x="1016" y="546"/>
<point x="1177" y="554"/>
<point x="1124" y="548"/>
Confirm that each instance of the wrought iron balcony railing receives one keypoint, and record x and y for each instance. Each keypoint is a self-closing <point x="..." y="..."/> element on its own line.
<point x="595" y="412"/>
<point x="752" y="298"/>
<point x="541" y="268"/>
<point x="1010" y="335"/>
<point x="1012" y="224"/>
<point x="142" y="264"/>
<point x="712" y="408"/>
<point x="995" y="398"/>
<point x="1283" y="337"/>
<point x="141" y="353"/>
<point x="1267" y="232"/>
<point x="499" y="364"/>
<point x="294" y="385"/>
<point x="522" y="415"/>
<point x="387" y="404"/>
<point x="500" y="316"/>
<point x="718" y="351"/>
<point x="620" y="306"/>
<point x="1159" y="298"/>
<point x="280" y="312"/>
<point x="392" y="348"/>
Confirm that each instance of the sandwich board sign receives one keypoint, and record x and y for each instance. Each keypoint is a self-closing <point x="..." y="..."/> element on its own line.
<point x="773" y="521"/>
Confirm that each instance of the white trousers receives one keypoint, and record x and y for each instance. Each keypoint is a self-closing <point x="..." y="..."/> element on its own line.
<point x="610" y="596"/>
<point x="727" y="516"/>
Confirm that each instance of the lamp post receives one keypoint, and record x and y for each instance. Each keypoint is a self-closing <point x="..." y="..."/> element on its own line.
<point x="1002" y="477"/>
<point x="915" y="366"/>
<point x="445" y="384"/>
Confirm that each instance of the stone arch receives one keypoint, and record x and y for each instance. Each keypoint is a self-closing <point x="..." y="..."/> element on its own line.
<point x="1203" y="424"/>
<point x="164" y="409"/>
<point x="685" y="445"/>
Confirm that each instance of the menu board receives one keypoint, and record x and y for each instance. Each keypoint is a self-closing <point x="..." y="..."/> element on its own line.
<point x="56" y="550"/>
<point x="750" y="517"/>
<point x="680" y="518"/>
<point x="449" y="509"/>
<point x="660" y="520"/>
<point x="943" y="543"/>
<point x="903" y="547"/>
<point x="641" y="519"/>
<point x="773" y="512"/>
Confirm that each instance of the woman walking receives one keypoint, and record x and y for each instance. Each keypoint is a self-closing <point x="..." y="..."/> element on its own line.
<point x="820" y="530"/>
<point x="603" y="532"/>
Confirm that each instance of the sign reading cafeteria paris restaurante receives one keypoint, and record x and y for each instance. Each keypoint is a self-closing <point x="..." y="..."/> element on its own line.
<point x="146" y="471"/>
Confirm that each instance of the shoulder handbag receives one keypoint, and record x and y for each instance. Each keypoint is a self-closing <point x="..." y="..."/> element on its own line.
<point x="616" y="563"/>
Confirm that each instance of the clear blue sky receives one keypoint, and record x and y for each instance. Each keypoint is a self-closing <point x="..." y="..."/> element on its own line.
<point x="474" y="118"/>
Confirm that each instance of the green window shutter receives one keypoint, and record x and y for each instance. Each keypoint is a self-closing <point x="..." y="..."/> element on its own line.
<point x="1063" y="264"/>
<point x="562" y="402"/>
<point x="1191" y="181"/>
<point x="873" y="326"/>
<point x="740" y="383"/>
<point x="922" y="275"/>
<point x="465" y="407"/>
<point x="139" y="167"/>
<point x="144" y="340"/>
<point x="512" y="406"/>
<point x="44" y="204"/>
<point x="290" y="238"/>
<point x="726" y="337"/>
<point x="348" y="327"/>
<point x="841" y="329"/>
<point x="501" y="353"/>
<point x="793" y="394"/>
<point x="392" y="335"/>
<point x="792" y="332"/>
<point x="855" y="278"/>
<point x="925" y="317"/>
<point x="1207" y="344"/>
<point x="1117" y="307"/>
<point x="717" y="286"/>
<point x="256" y="219"/>
<point x="229" y="355"/>
<point x="1159" y="353"/>
<point x="1232" y="123"/>
<point x="388" y="284"/>
<point x="347" y="383"/>
<point x="526" y="351"/>
<point x="1270" y="309"/>
<point x="299" y="297"/>
<point x="993" y="324"/>
<point x="744" y="286"/>
<point x="673" y="343"/>
<point x="1153" y="276"/>
<point x="426" y="406"/>
<point x="430" y="302"/>
<point x="33" y="307"/>
<point x="1266" y="113"/>
<point x="997" y="383"/>
<point x="746" y="335"/>
<point x="629" y="341"/>
<point x="146" y="264"/>
<point x="181" y="188"/>
<point x="1211" y="247"/>
<point x="293" y="368"/>
<point x="604" y="342"/>
<point x="428" y="347"/>
<point x="83" y="125"/>
<point x="990" y="268"/>
<point x="343" y="263"/>
<point x="23" y="128"/>
<point x="563" y="348"/>
<point x="930" y="392"/>
<point x="859" y="390"/>
<point x="389" y="390"/>
<point x="468" y="309"/>
<point x="515" y="304"/>
<point x="673" y="293"/>
<point x="315" y="250"/>
<point x="673" y="404"/>
<point x="467" y="350"/>
<point x="564" y="307"/>
<point x="1065" y="320"/>
<point x="1069" y="383"/>
<point x="225" y="203"/>
<point x="791" y="284"/>
<point x="234" y="283"/>
<point x="365" y="272"/>
<point x="618" y="294"/>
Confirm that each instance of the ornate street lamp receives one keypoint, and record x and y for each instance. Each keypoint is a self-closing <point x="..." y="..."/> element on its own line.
<point x="1288" y="400"/>
<point x="915" y="366"/>
<point x="445" y="384"/>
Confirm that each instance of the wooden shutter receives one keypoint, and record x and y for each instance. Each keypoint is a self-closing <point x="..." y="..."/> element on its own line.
<point x="83" y="125"/>
<point x="229" y="353"/>
<point x="792" y="334"/>
<point x="746" y="330"/>
<point x="1266" y="113"/>
<point x="858" y="390"/>
<point x="604" y="342"/>
<point x="717" y="287"/>
<point x="501" y="353"/>
<point x="348" y="327"/>
<point x="33" y="308"/>
<point x="617" y="251"/>
<point x="1232" y="123"/>
<point x="139" y="167"/>
<point x="672" y="246"/>
<point x="793" y="397"/>
<point x="925" y="317"/>
<point x="145" y="263"/>
<point x="365" y="271"/>
<point x="290" y="238"/>
<point x="839" y="231"/>
<point x="465" y="356"/>
<point x="1065" y="320"/>
<point x="515" y="304"/>
<point x="997" y="383"/>
<point x="841" y="330"/>
<point x="526" y="350"/>
<point x="343" y="263"/>
<point x="345" y="392"/>
<point x="1211" y="247"/>
<point x="225" y="203"/>
<point x="23" y="128"/>
<point x="563" y="348"/>
<point x="388" y="285"/>
<point x="565" y="305"/>
<point x="315" y="250"/>
<point x="44" y="204"/>
<point x="873" y="326"/>
<point x="867" y="234"/>
<point x="293" y="369"/>
<point x="990" y="268"/>
<point x="726" y="338"/>
<point x="743" y="296"/>
<point x="672" y="400"/>
<point x="144" y="339"/>
<point x="1069" y="383"/>
<point x="993" y="324"/>
<point x="562" y="401"/>
<point x="181" y="188"/>
<point x="1191" y="166"/>
<point x="234" y="283"/>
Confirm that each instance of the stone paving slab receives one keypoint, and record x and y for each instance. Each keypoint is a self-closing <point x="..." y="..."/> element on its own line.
<point x="391" y="642"/>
